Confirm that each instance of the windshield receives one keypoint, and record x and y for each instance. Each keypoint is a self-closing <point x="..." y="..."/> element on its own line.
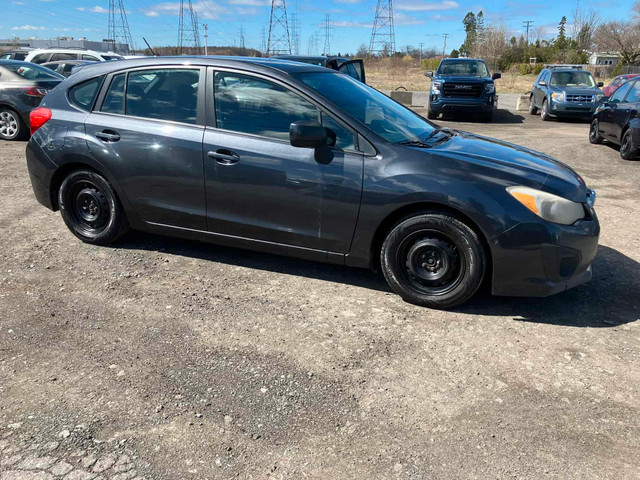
<point x="463" y="68"/>
<point x="389" y="119"/>
<point x="572" y="79"/>
<point x="31" y="71"/>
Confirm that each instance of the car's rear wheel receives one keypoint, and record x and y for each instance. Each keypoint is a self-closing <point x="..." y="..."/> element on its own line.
<point x="433" y="259"/>
<point x="627" y="150"/>
<point x="532" y="108"/>
<point x="11" y="125"/>
<point x="544" y="111"/>
<point x="594" y="132"/>
<point x="91" y="209"/>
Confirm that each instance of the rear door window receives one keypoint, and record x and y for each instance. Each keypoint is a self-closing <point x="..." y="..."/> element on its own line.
<point x="91" y="58"/>
<point x="84" y="94"/>
<point x="114" y="99"/>
<point x="57" y="57"/>
<point x="41" y="58"/>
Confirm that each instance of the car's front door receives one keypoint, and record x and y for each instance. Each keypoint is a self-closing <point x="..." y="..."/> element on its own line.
<point x="627" y="108"/>
<point x="540" y="89"/>
<point x="147" y="131"/>
<point x="613" y="112"/>
<point x="259" y="186"/>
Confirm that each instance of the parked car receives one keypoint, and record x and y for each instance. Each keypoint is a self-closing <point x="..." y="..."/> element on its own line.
<point x="565" y="91"/>
<point x="19" y="54"/>
<point x="301" y="160"/>
<point x="616" y="82"/>
<point x="66" y="67"/>
<point x="22" y="87"/>
<point x="352" y="67"/>
<point x="59" y="54"/>
<point x="462" y="84"/>
<point x="616" y="120"/>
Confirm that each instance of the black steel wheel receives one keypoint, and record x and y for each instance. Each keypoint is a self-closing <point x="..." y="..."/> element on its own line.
<point x="628" y="151"/>
<point x="90" y="208"/>
<point x="433" y="259"/>
<point x="594" y="132"/>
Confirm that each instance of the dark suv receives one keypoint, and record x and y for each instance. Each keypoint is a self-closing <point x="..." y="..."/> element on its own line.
<point x="462" y="84"/>
<point x="301" y="160"/>
<point x="565" y="91"/>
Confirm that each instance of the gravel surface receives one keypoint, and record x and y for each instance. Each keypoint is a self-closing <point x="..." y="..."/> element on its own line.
<point x="166" y="359"/>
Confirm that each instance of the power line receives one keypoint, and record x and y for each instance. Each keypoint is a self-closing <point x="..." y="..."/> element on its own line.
<point x="188" y="29"/>
<point x="527" y="24"/>
<point x="118" y="26"/>
<point x="383" y="37"/>
<point x="279" y="40"/>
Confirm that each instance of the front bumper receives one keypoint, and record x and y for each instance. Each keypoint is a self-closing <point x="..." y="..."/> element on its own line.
<point x="538" y="258"/>
<point x="572" y="109"/>
<point x="484" y="104"/>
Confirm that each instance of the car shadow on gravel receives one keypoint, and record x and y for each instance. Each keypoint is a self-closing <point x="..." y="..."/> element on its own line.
<point x="612" y="298"/>
<point x="359" y="277"/>
<point x="500" y="116"/>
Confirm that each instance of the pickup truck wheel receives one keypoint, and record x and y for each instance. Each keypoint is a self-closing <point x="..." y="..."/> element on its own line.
<point x="91" y="209"/>
<point x="433" y="259"/>
<point x="594" y="132"/>
<point x="487" y="117"/>
<point x="544" y="112"/>
<point x="533" y="110"/>
<point x="432" y="115"/>
<point x="627" y="150"/>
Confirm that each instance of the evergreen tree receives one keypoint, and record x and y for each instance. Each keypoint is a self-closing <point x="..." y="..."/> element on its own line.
<point x="471" y="28"/>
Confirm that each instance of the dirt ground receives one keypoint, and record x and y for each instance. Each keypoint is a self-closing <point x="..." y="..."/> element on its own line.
<point x="169" y="359"/>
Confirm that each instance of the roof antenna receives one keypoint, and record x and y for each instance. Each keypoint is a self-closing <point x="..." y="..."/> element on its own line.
<point x="149" y="46"/>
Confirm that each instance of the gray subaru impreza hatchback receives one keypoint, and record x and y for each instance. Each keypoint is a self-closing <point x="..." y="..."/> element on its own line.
<point x="294" y="159"/>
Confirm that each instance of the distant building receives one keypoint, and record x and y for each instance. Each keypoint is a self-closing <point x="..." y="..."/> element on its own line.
<point x="604" y="58"/>
<point x="61" y="42"/>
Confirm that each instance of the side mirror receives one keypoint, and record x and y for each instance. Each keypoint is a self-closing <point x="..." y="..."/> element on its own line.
<point x="603" y="100"/>
<point x="542" y="83"/>
<point x="428" y="74"/>
<point x="496" y="76"/>
<point x="306" y="134"/>
<point x="600" y="84"/>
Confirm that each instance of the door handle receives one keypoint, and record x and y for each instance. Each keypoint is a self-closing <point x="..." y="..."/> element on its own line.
<point x="224" y="157"/>
<point x="108" y="136"/>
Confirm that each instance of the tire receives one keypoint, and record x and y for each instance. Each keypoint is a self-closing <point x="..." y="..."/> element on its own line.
<point x="453" y="251"/>
<point x="628" y="151"/>
<point x="594" y="132"/>
<point x="533" y="110"/>
<point x="432" y="115"/>
<point x="544" y="111"/>
<point x="11" y="125"/>
<point x="487" y="117"/>
<point x="91" y="209"/>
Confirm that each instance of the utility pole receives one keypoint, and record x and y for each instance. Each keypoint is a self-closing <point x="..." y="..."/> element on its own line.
<point x="444" y="46"/>
<point x="383" y="36"/>
<point x="420" y="44"/>
<point x="205" y="26"/>
<point x="527" y="24"/>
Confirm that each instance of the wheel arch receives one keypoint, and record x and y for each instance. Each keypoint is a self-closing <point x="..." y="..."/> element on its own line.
<point x="405" y="211"/>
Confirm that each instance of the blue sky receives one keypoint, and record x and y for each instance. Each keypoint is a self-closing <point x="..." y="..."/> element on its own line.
<point x="416" y="21"/>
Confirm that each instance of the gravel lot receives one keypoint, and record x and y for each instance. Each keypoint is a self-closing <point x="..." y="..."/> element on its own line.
<point x="169" y="359"/>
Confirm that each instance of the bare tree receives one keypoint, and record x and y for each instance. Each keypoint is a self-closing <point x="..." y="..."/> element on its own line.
<point x="494" y="43"/>
<point x="584" y="26"/>
<point x="622" y="37"/>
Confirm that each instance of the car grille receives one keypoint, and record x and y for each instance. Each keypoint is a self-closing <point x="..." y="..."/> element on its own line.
<point x="580" y="98"/>
<point x="466" y="90"/>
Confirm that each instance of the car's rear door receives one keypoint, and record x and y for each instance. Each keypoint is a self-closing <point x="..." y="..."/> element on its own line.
<point x="258" y="185"/>
<point x="147" y="131"/>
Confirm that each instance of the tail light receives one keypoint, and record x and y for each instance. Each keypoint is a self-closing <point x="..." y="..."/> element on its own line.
<point x="35" y="91"/>
<point x="38" y="118"/>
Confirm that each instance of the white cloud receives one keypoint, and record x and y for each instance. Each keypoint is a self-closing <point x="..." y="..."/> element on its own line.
<point x="14" y="2"/>
<point x="347" y="24"/>
<point x="208" y="9"/>
<point x="96" y="9"/>
<point x="413" y="6"/>
<point x="253" y="3"/>
<point x="28" y="27"/>
<point x="247" y="11"/>
<point x="347" y="1"/>
<point x="402" y="19"/>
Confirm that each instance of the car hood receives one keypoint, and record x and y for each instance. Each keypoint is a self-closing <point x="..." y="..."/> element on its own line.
<point x="522" y="165"/>
<point x="458" y="78"/>
<point x="579" y="90"/>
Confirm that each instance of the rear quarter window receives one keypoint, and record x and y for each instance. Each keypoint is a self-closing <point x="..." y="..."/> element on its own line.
<point x="84" y="94"/>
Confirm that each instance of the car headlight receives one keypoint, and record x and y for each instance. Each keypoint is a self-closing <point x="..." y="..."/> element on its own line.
<point x="435" y="88"/>
<point x="548" y="206"/>
<point x="490" y="87"/>
<point x="558" y="96"/>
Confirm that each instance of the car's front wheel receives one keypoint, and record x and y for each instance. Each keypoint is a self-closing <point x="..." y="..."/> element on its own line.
<point x="594" y="132"/>
<point x="544" y="111"/>
<point x="11" y="125"/>
<point x="91" y="209"/>
<point x="628" y="151"/>
<point x="433" y="259"/>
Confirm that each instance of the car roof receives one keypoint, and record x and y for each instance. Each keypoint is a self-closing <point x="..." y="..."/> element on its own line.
<point x="309" y="58"/>
<point x="256" y="64"/>
<point x="15" y="62"/>
<point x="450" y="59"/>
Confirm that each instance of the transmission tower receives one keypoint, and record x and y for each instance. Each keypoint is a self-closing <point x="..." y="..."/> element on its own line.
<point x="295" y="34"/>
<point x="327" y="35"/>
<point x="188" y="29"/>
<point x="263" y="41"/>
<point x="279" y="40"/>
<point x="383" y="37"/>
<point x="118" y="28"/>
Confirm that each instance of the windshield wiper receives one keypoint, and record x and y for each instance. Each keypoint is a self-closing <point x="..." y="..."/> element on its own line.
<point x="423" y="143"/>
<point x="445" y="130"/>
<point x="415" y="143"/>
